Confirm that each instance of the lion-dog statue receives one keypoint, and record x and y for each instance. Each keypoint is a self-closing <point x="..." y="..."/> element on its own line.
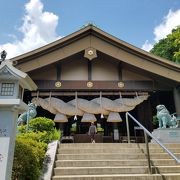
<point x="165" y="119"/>
<point x="31" y="113"/>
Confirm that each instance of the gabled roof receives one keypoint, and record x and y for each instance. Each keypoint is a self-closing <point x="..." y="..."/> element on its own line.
<point x="150" y="62"/>
<point x="25" y="81"/>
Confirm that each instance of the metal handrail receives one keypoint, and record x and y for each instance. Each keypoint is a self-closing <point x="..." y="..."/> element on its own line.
<point x="146" y="132"/>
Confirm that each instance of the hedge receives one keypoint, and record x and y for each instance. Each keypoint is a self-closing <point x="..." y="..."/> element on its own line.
<point x="31" y="146"/>
<point x="28" y="159"/>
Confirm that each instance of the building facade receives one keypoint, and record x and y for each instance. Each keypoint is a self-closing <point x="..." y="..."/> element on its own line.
<point x="91" y="64"/>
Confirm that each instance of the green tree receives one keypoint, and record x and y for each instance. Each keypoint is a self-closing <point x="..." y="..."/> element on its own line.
<point x="169" y="47"/>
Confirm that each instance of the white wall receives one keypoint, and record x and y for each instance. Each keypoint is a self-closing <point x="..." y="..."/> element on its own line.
<point x="104" y="70"/>
<point x="77" y="69"/>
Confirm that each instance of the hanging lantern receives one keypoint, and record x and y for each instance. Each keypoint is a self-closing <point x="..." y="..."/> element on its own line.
<point x="114" y="117"/>
<point x="87" y="117"/>
<point x="102" y="116"/>
<point x="75" y="117"/>
<point x="61" y="118"/>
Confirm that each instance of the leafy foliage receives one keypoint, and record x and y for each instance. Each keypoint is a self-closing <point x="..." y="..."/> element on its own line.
<point x="31" y="147"/>
<point x="22" y="129"/>
<point x="40" y="129"/>
<point x="169" y="47"/>
<point x="41" y="124"/>
<point x="28" y="159"/>
<point x="56" y="134"/>
<point x="45" y="128"/>
<point x="36" y="136"/>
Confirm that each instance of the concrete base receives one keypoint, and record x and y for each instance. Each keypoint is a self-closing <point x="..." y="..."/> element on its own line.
<point x="49" y="160"/>
<point x="167" y="135"/>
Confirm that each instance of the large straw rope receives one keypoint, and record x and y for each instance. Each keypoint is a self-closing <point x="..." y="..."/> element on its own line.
<point x="89" y="106"/>
<point x="58" y="105"/>
<point x="55" y="105"/>
<point x="44" y="103"/>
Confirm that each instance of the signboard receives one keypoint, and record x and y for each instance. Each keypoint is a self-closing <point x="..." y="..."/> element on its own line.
<point x="4" y="142"/>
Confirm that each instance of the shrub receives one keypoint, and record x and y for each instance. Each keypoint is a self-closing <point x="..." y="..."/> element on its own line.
<point x="56" y="134"/>
<point x="41" y="124"/>
<point x="28" y="158"/>
<point x="36" y="136"/>
<point x="22" y="129"/>
<point x="31" y="146"/>
<point x="45" y="125"/>
<point x="40" y="129"/>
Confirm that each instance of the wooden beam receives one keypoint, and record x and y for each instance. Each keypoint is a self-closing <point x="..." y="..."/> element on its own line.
<point x="41" y="94"/>
<point x="97" y="85"/>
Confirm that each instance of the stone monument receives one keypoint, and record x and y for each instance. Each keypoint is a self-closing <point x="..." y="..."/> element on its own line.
<point x="12" y="85"/>
<point x="168" y="131"/>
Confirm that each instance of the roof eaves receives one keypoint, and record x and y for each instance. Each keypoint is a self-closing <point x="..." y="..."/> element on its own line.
<point x="137" y="51"/>
<point x="52" y="44"/>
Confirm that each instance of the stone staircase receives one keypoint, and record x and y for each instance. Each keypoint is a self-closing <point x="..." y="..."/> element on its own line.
<point x="112" y="161"/>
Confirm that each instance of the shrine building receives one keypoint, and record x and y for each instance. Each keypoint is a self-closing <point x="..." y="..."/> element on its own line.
<point x="91" y="75"/>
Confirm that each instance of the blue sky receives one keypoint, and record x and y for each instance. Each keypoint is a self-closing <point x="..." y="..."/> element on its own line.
<point x="28" y="24"/>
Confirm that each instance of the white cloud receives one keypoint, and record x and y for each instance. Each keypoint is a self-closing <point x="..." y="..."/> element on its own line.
<point x="147" y="46"/>
<point x="170" y="21"/>
<point x="38" y="29"/>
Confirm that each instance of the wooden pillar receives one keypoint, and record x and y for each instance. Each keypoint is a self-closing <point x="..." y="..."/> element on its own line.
<point x="176" y="93"/>
<point x="140" y="112"/>
<point x="149" y="115"/>
<point x="145" y="114"/>
<point x="89" y="71"/>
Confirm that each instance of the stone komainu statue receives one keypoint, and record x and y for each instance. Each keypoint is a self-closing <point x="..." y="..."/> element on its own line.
<point x="31" y="113"/>
<point x="165" y="119"/>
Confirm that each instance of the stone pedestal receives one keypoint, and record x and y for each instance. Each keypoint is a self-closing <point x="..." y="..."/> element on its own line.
<point x="167" y="135"/>
<point x="7" y="140"/>
<point x="8" y="124"/>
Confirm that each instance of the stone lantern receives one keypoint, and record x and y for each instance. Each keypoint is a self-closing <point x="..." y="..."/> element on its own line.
<point x="12" y="85"/>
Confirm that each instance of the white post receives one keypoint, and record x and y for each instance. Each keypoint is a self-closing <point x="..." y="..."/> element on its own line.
<point x="127" y="126"/>
<point x="8" y="122"/>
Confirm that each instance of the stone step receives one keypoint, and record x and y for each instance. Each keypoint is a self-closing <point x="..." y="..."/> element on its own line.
<point x="166" y="169"/>
<point x="100" y="170"/>
<point x="114" y="170"/>
<point x="98" y="150"/>
<point x="97" y="156"/>
<point x="153" y="145"/>
<point x="115" y="145"/>
<point x="120" y="177"/>
<point x="98" y="145"/>
<point x="99" y="163"/>
<point x="113" y="150"/>
<point x="160" y="150"/>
